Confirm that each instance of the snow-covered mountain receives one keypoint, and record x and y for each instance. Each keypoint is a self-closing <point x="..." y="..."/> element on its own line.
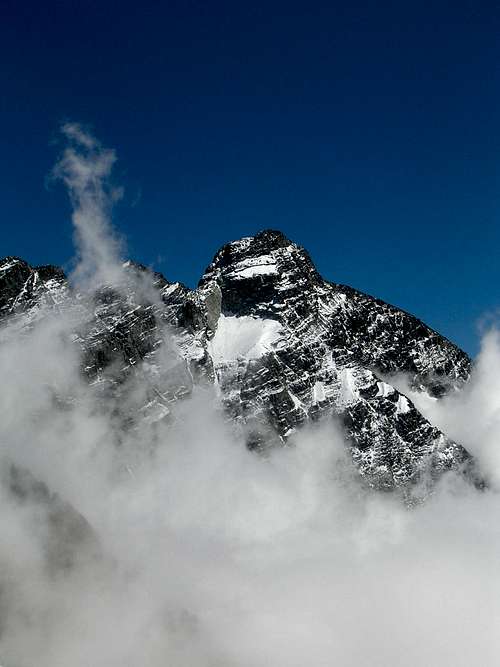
<point x="282" y="346"/>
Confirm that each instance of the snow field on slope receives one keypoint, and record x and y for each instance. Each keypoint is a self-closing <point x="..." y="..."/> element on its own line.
<point x="243" y="338"/>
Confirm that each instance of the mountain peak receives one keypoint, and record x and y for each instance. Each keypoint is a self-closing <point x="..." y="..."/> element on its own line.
<point x="283" y="346"/>
<point x="257" y="273"/>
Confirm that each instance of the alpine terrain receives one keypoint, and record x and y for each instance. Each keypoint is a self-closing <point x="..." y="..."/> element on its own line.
<point x="282" y="346"/>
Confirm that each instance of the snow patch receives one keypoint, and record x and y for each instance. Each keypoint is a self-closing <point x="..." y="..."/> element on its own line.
<point x="7" y="266"/>
<point x="257" y="270"/>
<point x="318" y="392"/>
<point x="254" y="266"/>
<point x="243" y="338"/>
<point x="384" y="389"/>
<point x="168" y="289"/>
<point x="403" y="405"/>
<point x="348" y="387"/>
<point x="297" y="403"/>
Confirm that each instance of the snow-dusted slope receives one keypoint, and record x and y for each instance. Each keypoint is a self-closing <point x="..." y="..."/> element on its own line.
<point x="282" y="345"/>
<point x="24" y="289"/>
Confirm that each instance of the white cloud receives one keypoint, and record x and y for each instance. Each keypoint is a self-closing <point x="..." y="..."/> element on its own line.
<point x="212" y="555"/>
<point x="85" y="168"/>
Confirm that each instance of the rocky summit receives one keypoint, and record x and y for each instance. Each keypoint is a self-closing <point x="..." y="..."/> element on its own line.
<point x="282" y="346"/>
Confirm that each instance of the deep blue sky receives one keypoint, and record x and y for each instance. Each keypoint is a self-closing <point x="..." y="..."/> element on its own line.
<point x="367" y="132"/>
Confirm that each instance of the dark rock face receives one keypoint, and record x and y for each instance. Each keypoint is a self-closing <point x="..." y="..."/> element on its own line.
<point x="67" y="536"/>
<point x="282" y="346"/>
<point x="21" y="285"/>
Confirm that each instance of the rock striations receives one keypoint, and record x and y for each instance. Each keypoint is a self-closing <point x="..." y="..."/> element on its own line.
<point x="282" y="346"/>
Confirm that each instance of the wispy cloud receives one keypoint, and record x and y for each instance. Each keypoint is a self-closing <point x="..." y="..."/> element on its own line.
<point x="85" y="168"/>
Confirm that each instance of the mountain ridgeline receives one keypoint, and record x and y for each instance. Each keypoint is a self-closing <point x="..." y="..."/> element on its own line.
<point x="282" y="347"/>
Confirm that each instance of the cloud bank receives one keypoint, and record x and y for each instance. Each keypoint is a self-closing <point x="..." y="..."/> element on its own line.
<point x="197" y="552"/>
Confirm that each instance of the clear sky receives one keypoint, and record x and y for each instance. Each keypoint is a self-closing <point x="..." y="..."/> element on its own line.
<point x="367" y="132"/>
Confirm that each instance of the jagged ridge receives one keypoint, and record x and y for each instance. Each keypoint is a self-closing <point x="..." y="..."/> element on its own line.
<point x="282" y="345"/>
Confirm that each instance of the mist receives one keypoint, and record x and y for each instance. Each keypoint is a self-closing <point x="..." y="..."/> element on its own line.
<point x="192" y="550"/>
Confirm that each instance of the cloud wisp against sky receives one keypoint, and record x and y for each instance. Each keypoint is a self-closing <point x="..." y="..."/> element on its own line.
<point x="85" y="168"/>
